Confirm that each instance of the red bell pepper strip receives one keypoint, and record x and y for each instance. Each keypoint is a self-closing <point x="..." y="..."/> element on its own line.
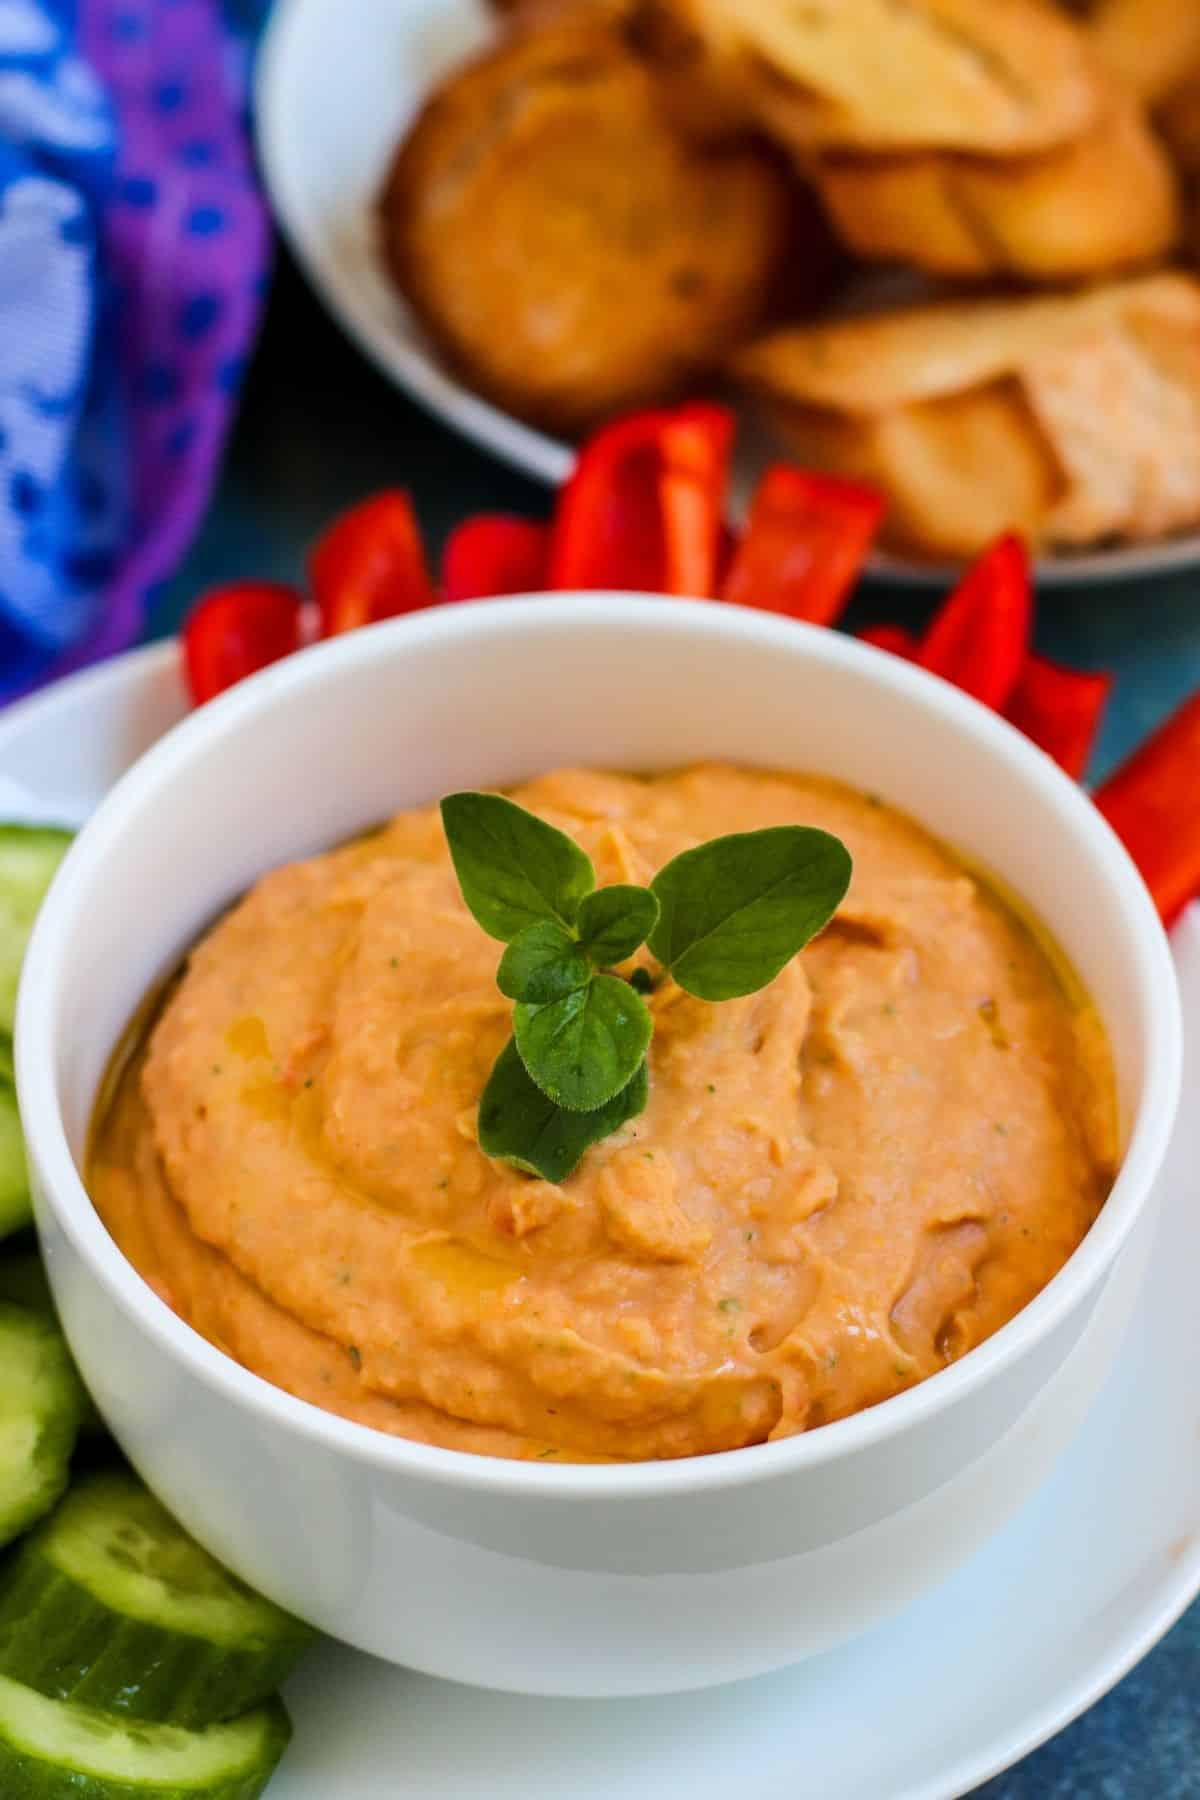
<point x="893" y="638"/>
<point x="728" y="543"/>
<point x="1153" y="805"/>
<point x="644" y="507"/>
<point x="494" y="553"/>
<point x="369" y="565"/>
<point x="805" y="543"/>
<point x="234" y="630"/>
<point x="696" y="447"/>
<point x="1060" y="709"/>
<point x="980" y="637"/>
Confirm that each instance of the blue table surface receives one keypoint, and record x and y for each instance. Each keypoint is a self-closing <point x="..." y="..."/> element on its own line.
<point x="320" y="428"/>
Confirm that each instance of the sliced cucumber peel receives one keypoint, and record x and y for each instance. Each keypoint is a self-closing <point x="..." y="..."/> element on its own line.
<point x="42" y="1402"/>
<point x="53" y="1750"/>
<point x="29" y="856"/>
<point x="111" y="1604"/>
<point x="16" y="1206"/>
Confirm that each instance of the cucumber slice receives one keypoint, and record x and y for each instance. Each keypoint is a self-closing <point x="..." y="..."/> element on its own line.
<point x="42" y="1401"/>
<point x="52" y="1750"/>
<point x="111" y="1604"/>
<point x="16" y="1206"/>
<point x="23" y="1281"/>
<point x="29" y="855"/>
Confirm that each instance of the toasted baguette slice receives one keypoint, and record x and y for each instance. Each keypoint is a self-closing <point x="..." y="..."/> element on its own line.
<point x="1074" y="419"/>
<point x="868" y="363"/>
<point x="1104" y="203"/>
<point x="570" y="254"/>
<point x="1149" y="45"/>
<point x="957" y="472"/>
<point x="700" y="70"/>
<point x="996" y="77"/>
<point x="1179" y="120"/>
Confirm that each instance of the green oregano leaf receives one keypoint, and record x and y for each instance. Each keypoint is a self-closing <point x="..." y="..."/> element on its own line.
<point x="582" y="1050"/>
<point x="723" y="919"/>
<point x="512" y="867"/>
<point x="542" y="963"/>
<point x="614" y="922"/>
<point x="518" y="1124"/>
<point x="734" y="911"/>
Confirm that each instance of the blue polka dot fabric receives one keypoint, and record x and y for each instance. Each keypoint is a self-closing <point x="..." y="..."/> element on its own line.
<point x="133" y="252"/>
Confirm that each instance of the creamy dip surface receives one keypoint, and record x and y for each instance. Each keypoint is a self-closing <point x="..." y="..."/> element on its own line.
<point x="839" y="1185"/>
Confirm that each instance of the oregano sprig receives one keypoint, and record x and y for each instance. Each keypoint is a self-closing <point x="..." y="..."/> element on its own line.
<point x="722" y="919"/>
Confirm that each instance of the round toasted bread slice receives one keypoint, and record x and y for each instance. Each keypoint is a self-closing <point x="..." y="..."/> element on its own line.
<point x="568" y="250"/>
<point x="1105" y="203"/>
<point x="993" y="77"/>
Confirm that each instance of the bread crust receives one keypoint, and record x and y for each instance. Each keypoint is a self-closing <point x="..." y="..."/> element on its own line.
<point x="992" y="77"/>
<point x="1108" y="202"/>
<point x="1074" y="419"/>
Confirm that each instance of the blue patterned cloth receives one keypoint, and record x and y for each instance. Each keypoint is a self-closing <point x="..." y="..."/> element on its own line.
<point x="133" y="253"/>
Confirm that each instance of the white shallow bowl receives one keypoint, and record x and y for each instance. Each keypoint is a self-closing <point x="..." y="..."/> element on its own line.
<point x="597" y="1580"/>
<point x="338" y="83"/>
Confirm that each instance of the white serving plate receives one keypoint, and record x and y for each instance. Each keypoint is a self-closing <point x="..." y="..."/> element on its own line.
<point x="1057" y="1608"/>
<point x="337" y="83"/>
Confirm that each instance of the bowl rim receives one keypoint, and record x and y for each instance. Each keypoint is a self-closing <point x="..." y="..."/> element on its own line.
<point x="55" y="941"/>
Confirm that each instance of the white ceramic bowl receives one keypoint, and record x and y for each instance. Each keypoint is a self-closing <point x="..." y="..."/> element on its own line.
<point x="587" y="1579"/>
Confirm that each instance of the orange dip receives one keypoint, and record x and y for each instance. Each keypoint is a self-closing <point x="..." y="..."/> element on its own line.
<point x="839" y="1185"/>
